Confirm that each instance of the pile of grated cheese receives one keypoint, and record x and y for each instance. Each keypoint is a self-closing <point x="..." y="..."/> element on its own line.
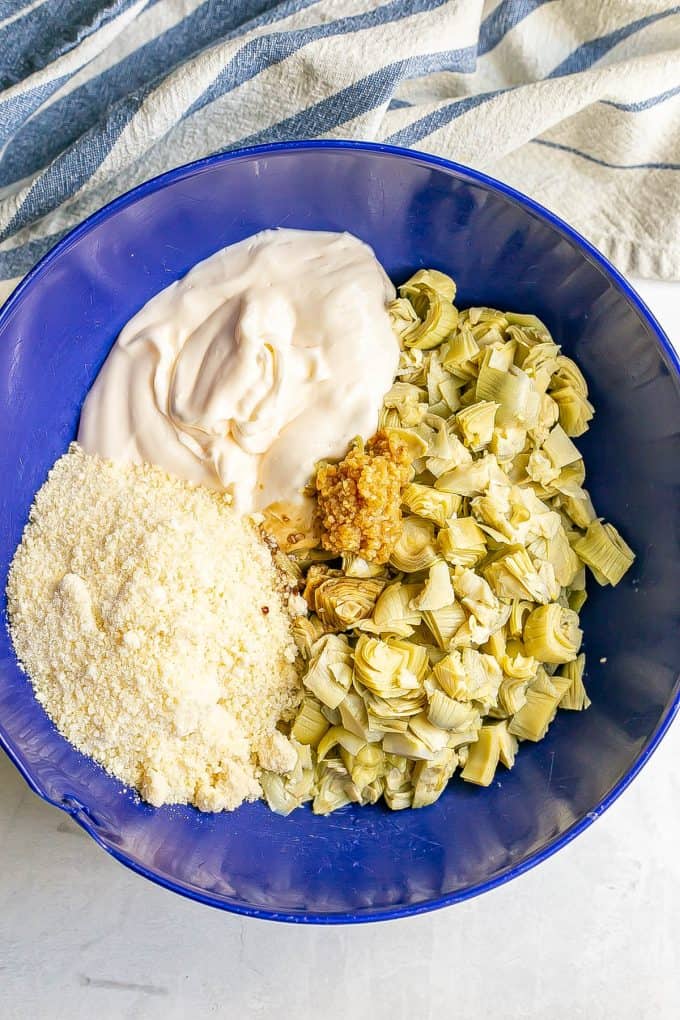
<point x="151" y="622"/>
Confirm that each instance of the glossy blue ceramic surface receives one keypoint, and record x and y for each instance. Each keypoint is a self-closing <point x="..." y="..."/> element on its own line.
<point x="503" y="250"/>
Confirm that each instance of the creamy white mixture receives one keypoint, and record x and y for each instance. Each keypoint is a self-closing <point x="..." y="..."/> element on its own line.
<point x="266" y="357"/>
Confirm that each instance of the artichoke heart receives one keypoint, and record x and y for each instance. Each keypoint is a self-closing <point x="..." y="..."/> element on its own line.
<point x="458" y="354"/>
<point x="341" y="602"/>
<point x="438" y="318"/>
<point x="476" y="423"/>
<point x="605" y="552"/>
<point x="485" y="754"/>
<point x="329" y="673"/>
<point x="402" y="315"/>
<point x="310" y="723"/>
<point x="518" y="399"/>
<point x="415" y="548"/>
<point x="306" y="632"/>
<point x="430" y="777"/>
<point x="425" y="501"/>
<point x="434" y="278"/>
<point x="393" y="614"/>
<point x="444" y="623"/>
<point x="293" y="526"/>
<point x="449" y="714"/>
<point x="389" y="668"/>
<point x="512" y="575"/>
<point x="462" y="542"/>
<point x="437" y="592"/>
<point x="575" y="697"/>
<point x="443" y="567"/>
<point x="551" y="634"/>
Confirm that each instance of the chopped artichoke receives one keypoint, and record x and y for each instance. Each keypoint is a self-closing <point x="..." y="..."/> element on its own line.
<point x="552" y="634"/>
<point x="438" y="318"/>
<point x="438" y="281"/>
<point x="354" y="716"/>
<point x="512" y="694"/>
<point x="569" y="374"/>
<point x="458" y="354"/>
<point x="605" y="552"/>
<point x="316" y="575"/>
<point x="337" y="736"/>
<point x="560" y="448"/>
<point x="398" y="788"/>
<point x="558" y="553"/>
<point x="329" y="673"/>
<point x="415" y="445"/>
<point x="449" y="714"/>
<point x="444" y="623"/>
<point x="310" y="723"/>
<point x="411" y="363"/>
<point x="389" y="668"/>
<point x="367" y="766"/>
<point x="393" y="717"/>
<point x="407" y="745"/>
<point x="306" y="632"/>
<point x="293" y="526"/>
<point x="531" y="325"/>
<point x="484" y="755"/>
<point x="578" y="508"/>
<point x="476" y="596"/>
<point x="437" y="592"/>
<point x="356" y="566"/>
<point x="486" y="324"/>
<point x="415" y="549"/>
<point x="393" y="614"/>
<point x="518" y="613"/>
<point x="507" y="442"/>
<point x="576" y="411"/>
<point x="430" y="777"/>
<point x="277" y="795"/>
<point x="341" y="602"/>
<point x="512" y="575"/>
<point x="408" y="401"/>
<point x="577" y="600"/>
<point x="575" y="697"/>
<point x="333" y="783"/>
<point x="539" y="362"/>
<point x="476" y="423"/>
<point x="517" y="398"/>
<point x="462" y="542"/>
<point x="402" y="315"/>
<point x="471" y="479"/>
<point x="425" y="501"/>
<point x="532" y="720"/>
<point x="469" y="675"/>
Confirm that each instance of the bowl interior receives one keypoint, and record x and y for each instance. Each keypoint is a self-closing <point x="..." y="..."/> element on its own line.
<point x="362" y="863"/>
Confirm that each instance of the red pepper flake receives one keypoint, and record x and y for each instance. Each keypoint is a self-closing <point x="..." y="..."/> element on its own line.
<point x="265" y="610"/>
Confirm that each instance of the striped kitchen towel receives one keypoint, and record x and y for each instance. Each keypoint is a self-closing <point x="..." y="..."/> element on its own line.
<point x="576" y="102"/>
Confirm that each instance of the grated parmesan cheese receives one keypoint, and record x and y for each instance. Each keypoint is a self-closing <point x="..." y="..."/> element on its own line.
<point x="150" y="620"/>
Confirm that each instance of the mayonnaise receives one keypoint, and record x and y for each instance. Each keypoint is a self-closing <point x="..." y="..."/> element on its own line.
<point x="268" y="356"/>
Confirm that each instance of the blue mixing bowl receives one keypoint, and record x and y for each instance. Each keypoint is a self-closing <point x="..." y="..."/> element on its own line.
<point x="503" y="250"/>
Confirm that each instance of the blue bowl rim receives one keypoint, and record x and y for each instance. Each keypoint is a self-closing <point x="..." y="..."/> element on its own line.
<point x="79" y="812"/>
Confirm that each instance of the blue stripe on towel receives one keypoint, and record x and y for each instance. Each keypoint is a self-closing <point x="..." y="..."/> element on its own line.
<point x="644" y="104"/>
<point x="360" y="97"/>
<point x="46" y="33"/>
<point x="71" y="170"/>
<point x="49" y="132"/>
<point x="602" y="162"/>
<point x="590" y="52"/>
<point x="503" y="19"/>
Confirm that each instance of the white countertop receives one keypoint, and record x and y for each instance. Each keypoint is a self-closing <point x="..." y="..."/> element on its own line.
<point x="590" y="934"/>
